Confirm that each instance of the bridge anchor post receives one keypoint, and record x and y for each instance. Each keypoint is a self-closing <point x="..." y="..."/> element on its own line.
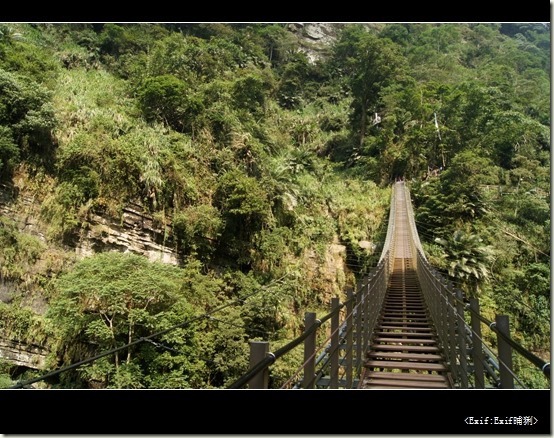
<point x="258" y="352"/>
<point x="349" y="336"/>
<point x="504" y="352"/>
<point x="477" y="345"/>
<point x="334" y="381"/>
<point x="308" y="381"/>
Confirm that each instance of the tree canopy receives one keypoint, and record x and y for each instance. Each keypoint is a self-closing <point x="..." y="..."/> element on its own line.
<point x="257" y="154"/>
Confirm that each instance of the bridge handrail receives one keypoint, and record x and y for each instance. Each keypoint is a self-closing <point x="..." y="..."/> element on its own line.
<point x="453" y="302"/>
<point x="385" y="253"/>
<point x="540" y="363"/>
<point x="273" y="356"/>
<point x="360" y="297"/>
<point x="412" y="224"/>
<point x="423" y="264"/>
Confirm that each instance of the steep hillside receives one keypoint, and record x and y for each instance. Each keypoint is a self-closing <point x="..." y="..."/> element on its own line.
<point x="154" y="173"/>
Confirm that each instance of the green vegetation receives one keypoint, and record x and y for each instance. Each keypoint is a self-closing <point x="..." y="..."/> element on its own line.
<point x="268" y="175"/>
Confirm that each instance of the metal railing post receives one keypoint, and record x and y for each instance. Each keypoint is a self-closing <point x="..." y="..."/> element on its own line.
<point x="258" y="352"/>
<point x="440" y="322"/>
<point x="434" y="286"/>
<point x="334" y="352"/>
<point x="477" y="344"/>
<point x="359" y="328"/>
<point x="367" y="316"/>
<point x="504" y="353"/>
<point x="461" y="338"/>
<point x="309" y="352"/>
<point x="349" y="336"/>
<point x="451" y="321"/>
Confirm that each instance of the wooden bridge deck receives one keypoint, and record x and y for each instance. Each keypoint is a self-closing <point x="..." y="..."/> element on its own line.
<point x="404" y="351"/>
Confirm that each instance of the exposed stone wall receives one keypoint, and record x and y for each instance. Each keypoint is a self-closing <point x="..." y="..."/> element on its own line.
<point x="135" y="232"/>
<point x="30" y="356"/>
<point x="316" y="38"/>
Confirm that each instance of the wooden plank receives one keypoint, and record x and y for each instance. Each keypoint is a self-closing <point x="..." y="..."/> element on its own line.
<point x="405" y="356"/>
<point x="403" y="327"/>
<point x="404" y="293"/>
<point x="404" y="322"/>
<point x="404" y="365"/>
<point x="404" y="376"/>
<point x="401" y="308"/>
<point x="404" y="306"/>
<point x="404" y="341"/>
<point x="389" y="384"/>
<point x="414" y="348"/>
<point x="409" y="334"/>
<point x="405" y="317"/>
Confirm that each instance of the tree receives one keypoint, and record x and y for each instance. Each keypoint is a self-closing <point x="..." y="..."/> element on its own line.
<point x="25" y="111"/>
<point x="511" y="133"/>
<point x="462" y="184"/>
<point x="245" y="208"/>
<point x="119" y="39"/>
<point x="166" y="99"/>
<point x="113" y="299"/>
<point x="9" y="152"/>
<point x="197" y="229"/>
<point x="468" y="260"/>
<point x="249" y="93"/>
<point x="370" y="64"/>
<point x="294" y="81"/>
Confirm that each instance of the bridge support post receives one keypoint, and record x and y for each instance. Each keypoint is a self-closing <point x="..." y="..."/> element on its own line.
<point x="461" y="338"/>
<point x="434" y="290"/>
<point x="366" y="314"/>
<point x="477" y="349"/>
<point x="349" y="337"/>
<point x="258" y="352"/>
<point x="451" y="320"/>
<point x="441" y="324"/>
<point x="359" y="328"/>
<point x="504" y="353"/>
<point x="308" y="381"/>
<point x="334" y="378"/>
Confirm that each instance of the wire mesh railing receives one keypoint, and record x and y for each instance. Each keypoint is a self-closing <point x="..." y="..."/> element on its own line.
<point x="337" y="361"/>
<point x="472" y="362"/>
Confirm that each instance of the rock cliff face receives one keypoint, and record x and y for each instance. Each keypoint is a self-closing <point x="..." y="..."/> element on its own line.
<point x="135" y="232"/>
<point x="19" y="208"/>
<point x="316" y="38"/>
<point x="24" y="355"/>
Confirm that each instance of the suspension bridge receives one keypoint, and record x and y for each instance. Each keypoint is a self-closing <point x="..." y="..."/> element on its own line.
<point x="406" y="326"/>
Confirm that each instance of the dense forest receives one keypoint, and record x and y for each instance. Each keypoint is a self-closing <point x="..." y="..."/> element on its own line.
<point x="261" y="158"/>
